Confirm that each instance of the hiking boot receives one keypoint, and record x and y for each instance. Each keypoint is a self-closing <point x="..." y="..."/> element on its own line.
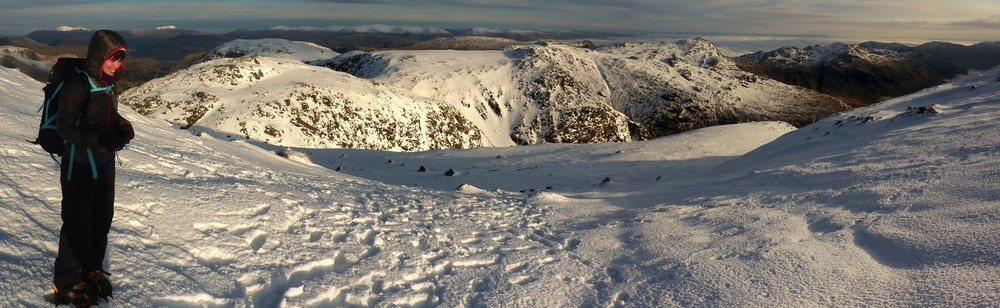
<point x="99" y="281"/>
<point x="79" y="294"/>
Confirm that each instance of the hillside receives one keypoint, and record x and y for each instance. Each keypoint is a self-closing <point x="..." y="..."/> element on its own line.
<point x="870" y="72"/>
<point x="689" y="84"/>
<point x="26" y="61"/>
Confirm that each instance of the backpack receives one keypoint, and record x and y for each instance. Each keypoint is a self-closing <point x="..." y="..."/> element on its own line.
<point x="62" y="71"/>
<point x="58" y="75"/>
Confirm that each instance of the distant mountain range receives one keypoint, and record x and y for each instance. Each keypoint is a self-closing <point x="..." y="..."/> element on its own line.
<point x="871" y="72"/>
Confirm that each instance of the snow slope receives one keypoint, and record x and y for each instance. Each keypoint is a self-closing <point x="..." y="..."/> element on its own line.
<point x="274" y="48"/>
<point x="880" y="206"/>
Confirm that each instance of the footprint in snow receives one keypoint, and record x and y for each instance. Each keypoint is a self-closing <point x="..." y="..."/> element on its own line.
<point x="257" y="241"/>
<point x="338" y="263"/>
<point x="212" y="227"/>
<point x="570" y="244"/>
<point x="824" y="226"/>
<point x="521" y="280"/>
<point x="198" y="300"/>
<point x="315" y="235"/>
<point x="260" y="210"/>
<point x="367" y="237"/>
<point x="212" y="257"/>
<point x="340" y="236"/>
<point x="516" y="267"/>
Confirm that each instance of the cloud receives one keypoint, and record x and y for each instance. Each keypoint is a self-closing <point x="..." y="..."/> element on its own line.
<point x="589" y="7"/>
<point x="992" y="22"/>
<point x="780" y="17"/>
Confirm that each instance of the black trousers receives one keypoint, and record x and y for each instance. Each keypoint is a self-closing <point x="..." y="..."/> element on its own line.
<point x="87" y="210"/>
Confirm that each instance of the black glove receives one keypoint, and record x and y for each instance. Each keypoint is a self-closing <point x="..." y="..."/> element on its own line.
<point x="112" y="141"/>
<point x="125" y="131"/>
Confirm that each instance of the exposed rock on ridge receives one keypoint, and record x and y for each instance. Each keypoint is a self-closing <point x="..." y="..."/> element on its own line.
<point x="289" y="103"/>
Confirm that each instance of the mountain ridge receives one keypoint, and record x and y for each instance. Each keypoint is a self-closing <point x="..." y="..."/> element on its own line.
<point x="252" y="97"/>
<point x="525" y="94"/>
<point x="871" y="71"/>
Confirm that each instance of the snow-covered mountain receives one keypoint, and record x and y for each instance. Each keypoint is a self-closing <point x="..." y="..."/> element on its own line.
<point x="690" y="84"/>
<point x="559" y="93"/>
<point x="868" y="72"/>
<point x="274" y="48"/>
<point x="287" y="102"/>
<point x="375" y="28"/>
<point x="465" y="43"/>
<point x="70" y="29"/>
<point x="517" y="34"/>
<point x="524" y="94"/>
<point x="26" y="61"/>
<point x="889" y="205"/>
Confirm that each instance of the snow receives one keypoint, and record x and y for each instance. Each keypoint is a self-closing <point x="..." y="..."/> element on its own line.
<point x="69" y="29"/>
<point x="879" y="206"/>
<point x="826" y="54"/>
<point x="274" y="48"/>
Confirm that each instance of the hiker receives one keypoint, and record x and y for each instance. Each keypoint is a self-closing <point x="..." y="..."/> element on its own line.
<point x="88" y="120"/>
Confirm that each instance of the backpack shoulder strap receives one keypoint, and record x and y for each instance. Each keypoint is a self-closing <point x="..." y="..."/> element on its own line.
<point x="93" y="86"/>
<point x="50" y="118"/>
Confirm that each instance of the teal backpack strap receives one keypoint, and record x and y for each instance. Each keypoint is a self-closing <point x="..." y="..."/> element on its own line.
<point x="72" y="152"/>
<point x="49" y="102"/>
<point x="93" y="166"/>
<point x="90" y="157"/>
<point x="93" y="86"/>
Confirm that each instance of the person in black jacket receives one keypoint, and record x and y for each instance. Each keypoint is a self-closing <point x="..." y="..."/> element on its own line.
<point x="94" y="131"/>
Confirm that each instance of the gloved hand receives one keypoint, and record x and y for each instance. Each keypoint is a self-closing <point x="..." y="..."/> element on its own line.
<point x="125" y="131"/>
<point x="112" y="141"/>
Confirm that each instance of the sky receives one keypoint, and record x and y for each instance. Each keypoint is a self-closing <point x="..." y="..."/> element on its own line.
<point x="956" y="20"/>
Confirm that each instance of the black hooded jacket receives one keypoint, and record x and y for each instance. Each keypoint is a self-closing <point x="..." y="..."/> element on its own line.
<point x="101" y="115"/>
